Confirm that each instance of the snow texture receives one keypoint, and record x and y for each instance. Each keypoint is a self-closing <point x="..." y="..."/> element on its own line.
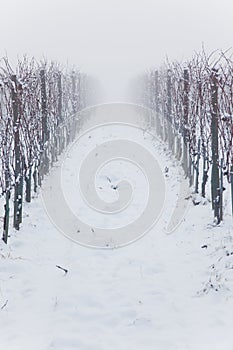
<point x="165" y="292"/>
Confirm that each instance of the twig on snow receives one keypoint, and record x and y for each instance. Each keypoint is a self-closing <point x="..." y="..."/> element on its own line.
<point x="4" y="305"/>
<point x="65" y="270"/>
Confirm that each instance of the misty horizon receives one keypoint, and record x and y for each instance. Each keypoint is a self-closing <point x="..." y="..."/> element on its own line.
<point x="114" y="41"/>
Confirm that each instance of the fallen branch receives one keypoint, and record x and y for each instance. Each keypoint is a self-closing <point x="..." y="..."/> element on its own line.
<point x="65" y="270"/>
<point x="4" y="305"/>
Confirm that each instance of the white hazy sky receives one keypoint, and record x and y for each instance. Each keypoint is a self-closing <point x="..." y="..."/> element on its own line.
<point x="114" y="40"/>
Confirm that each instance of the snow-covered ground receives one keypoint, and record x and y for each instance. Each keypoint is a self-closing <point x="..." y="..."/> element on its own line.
<point x="163" y="291"/>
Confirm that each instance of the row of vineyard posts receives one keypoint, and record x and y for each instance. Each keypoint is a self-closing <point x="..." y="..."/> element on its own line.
<point x="193" y="102"/>
<point x="38" y="107"/>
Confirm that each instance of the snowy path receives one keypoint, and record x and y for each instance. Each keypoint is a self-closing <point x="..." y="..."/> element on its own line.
<point x="142" y="296"/>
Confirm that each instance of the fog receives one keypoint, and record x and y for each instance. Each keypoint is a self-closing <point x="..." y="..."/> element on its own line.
<point x="114" y="40"/>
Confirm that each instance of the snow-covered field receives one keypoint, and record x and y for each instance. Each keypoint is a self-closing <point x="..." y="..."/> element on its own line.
<point x="161" y="292"/>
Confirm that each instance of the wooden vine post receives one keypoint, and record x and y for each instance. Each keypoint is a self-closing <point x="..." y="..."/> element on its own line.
<point x="185" y="121"/>
<point x="215" y="189"/>
<point x="6" y="206"/>
<point x="17" y="167"/>
<point x="169" y="110"/>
